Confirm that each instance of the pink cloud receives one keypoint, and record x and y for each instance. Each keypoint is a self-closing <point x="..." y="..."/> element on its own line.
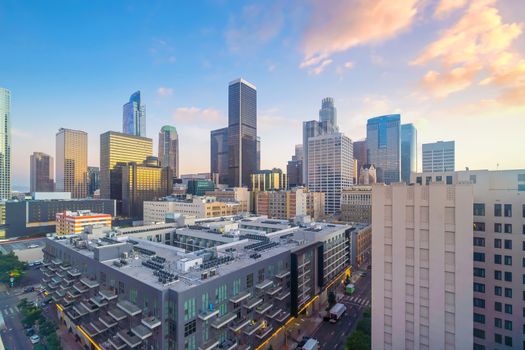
<point x="196" y="115"/>
<point x="446" y="6"/>
<point x="164" y="91"/>
<point x="443" y="84"/>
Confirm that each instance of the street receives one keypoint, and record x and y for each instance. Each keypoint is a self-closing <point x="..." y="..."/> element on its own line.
<point x="333" y="336"/>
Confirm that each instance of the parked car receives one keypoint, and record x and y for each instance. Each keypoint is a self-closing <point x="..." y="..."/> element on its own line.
<point x="34" y="338"/>
<point x="33" y="246"/>
<point x="29" y="289"/>
<point x="30" y="331"/>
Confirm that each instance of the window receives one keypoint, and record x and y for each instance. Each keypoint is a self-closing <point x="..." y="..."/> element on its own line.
<point x="508" y="292"/>
<point x="522" y="262"/>
<point x="498" y="323"/>
<point x="419" y="180"/>
<point x="479" y="318"/>
<point x="508" y="244"/>
<point x="249" y="281"/>
<point x="498" y="290"/>
<point x="497" y="209"/>
<point x="497" y="259"/>
<point x="508" y="309"/>
<point x="523" y="279"/>
<point x="479" y="209"/>
<point x="473" y="179"/>
<point x="508" y="228"/>
<point x="523" y="246"/>
<point x="439" y="178"/>
<point x="190" y="328"/>
<point x="479" y="272"/>
<point x="508" y="260"/>
<point x="480" y="303"/>
<point x="498" y="306"/>
<point x="497" y="228"/>
<point x="479" y="287"/>
<point x="479" y="226"/>
<point x="523" y="229"/>
<point x="480" y="256"/>
<point x="508" y="341"/>
<point x="478" y="347"/>
<point x="507" y="210"/>
<point x="521" y="182"/>
<point x="479" y="333"/>
<point x="497" y="243"/>
<point x="508" y="276"/>
<point x="523" y="210"/>
<point x="449" y="180"/>
<point x="428" y="180"/>
<point x="497" y="275"/>
<point x="479" y="242"/>
<point x="498" y="338"/>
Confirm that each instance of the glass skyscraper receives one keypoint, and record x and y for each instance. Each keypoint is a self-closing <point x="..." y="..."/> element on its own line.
<point x="134" y="116"/>
<point x="242" y="132"/>
<point x="5" y="144"/>
<point x="384" y="146"/>
<point x="408" y="151"/>
<point x="219" y="154"/>
<point x="328" y="113"/>
<point x="169" y="149"/>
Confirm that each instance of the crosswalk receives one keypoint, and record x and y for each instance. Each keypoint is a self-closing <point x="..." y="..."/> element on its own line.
<point x="9" y="311"/>
<point x="357" y="300"/>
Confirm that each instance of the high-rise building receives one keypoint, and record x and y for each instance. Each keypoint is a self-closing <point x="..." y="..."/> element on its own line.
<point x="294" y="168"/>
<point x="242" y="132"/>
<point x="117" y="150"/>
<point x="93" y="180"/>
<point x="5" y="144"/>
<point x="169" y="149"/>
<point x="41" y="169"/>
<point x="330" y="167"/>
<point x="439" y="156"/>
<point x="134" y="116"/>
<point x="384" y="147"/>
<point x="328" y="113"/>
<point x="269" y="180"/>
<point x="258" y="153"/>
<point x="422" y="267"/>
<point x="359" y="157"/>
<point x="408" y="151"/>
<point x="71" y="162"/>
<point x="497" y="225"/>
<point x="219" y="154"/>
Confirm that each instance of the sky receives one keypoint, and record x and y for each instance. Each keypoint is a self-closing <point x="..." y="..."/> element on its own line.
<point x="454" y="68"/>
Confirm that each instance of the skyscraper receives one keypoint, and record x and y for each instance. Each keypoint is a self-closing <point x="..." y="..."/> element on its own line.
<point x="71" y="162"/>
<point x="169" y="149"/>
<point x="294" y="169"/>
<point x="439" y="156"/>
<point x="134" y="116"/>
<point x="219" y="154"/>
<point x="359" y="157"/>
<point x="384" y="147"/>
<point x="328" y="113"/>
<point x="408" y="151"/>
<point x="93" y="180"/>
<point x="242" y="132"/>
<point x="330" y="167"/>
<point x="5" y="144"/>
<point x="41" y="169"/>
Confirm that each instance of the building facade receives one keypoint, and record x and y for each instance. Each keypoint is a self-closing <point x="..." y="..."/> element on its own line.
<point x="74" y="222"/>
<point x="269" y="180"/>
<point x="242" y="132"/>
<point x="71" y="162"/>
<point x="199" y="187"/>
<point x="422" y="267"/>
<point x="240" y="195"/>
<point x="356" y="204"/>
<point x="93" y="180"/>
<point x="408" y="151"/>
<point x="169" y="149"/>
<point x="286" y="205"/>
<point x="134" y="116"/>
<point x="5" y="144"/>
<point x="328" y="113"/>
<point x="367" y="174"/>
<point x="294" y="168"/>
<point x="359" y="156"/>
<point x="439" y="156"/>
<point x="330" y="167"/>
<point x="361" y="246"/>
<point x="384" y="147"/>
<point x="41" y="169"/>
<point x="219" y="154"/>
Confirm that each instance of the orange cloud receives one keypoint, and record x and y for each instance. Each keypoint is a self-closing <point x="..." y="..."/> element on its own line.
<point x="443" y="84"/>
<point x="446" y="6"/>
<point x="341" y="25"/>
<point x="195" y="115"/>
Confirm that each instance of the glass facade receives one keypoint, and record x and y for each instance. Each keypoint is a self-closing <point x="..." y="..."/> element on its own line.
<point x="200" y="187"/>
<point x="41" y="172"/>
<point x="328" y="113"/>
<point x="242" y="132"/>
<point x="134" y="116"/>
<point x="5" y="144"/>
<point x="408" y="151"/>
<point x="71" y="162"/>
<point x="169" y="149"/>
<point x="384" y="147"/>
<point x="219" y="154"/>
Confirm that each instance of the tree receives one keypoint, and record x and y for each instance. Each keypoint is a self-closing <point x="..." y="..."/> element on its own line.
<point x="53" y="343"/>
<point x="358" y="341"/>
<point x="10" y="266"/>
<point x="331" y="299"/>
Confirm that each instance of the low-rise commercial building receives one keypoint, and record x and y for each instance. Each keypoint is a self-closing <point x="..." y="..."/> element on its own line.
<point x="236" y="194"/>
<point x="361" y="245"/>
<point x="72" y="222"/>
<point x="356" y="204"/>
<point x="289" y="204"/>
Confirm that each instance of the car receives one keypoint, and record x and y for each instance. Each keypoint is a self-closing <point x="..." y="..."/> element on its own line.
<point x="29" y="289"/>
<point x="32" y="246"/>
<point x="34" y="338"/>
<point x="37" y="263"/>
<point x="30" y="331"/>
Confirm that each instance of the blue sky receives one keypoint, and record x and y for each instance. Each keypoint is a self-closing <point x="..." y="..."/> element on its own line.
<point x="455" y="68"/>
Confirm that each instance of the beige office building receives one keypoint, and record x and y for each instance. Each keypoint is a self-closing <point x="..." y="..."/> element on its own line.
<point x="236" y="194"/>
<point x="356" y="204"/>
<point x="71" y="162"/>
<point x="422" y="267"/>
<point x="289" y="204"/>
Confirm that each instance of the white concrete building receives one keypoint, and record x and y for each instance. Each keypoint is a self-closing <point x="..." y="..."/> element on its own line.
<point x="422" y="267"/>
<point x="439" y="156"/>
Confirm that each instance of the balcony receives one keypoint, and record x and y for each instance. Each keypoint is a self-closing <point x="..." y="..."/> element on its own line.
<point x="52" y="285"/>
<point x="240" y="297"/>
<point x="263" y="332"/>
<point x="67" y="301"/>
<point x="73" y="293"/>
<point x="151" y="322"/>
<point x="264" y="284"/>
<point x="73" y="314"/>
<point x="253" y="302"/>
<point x="141" y="331"/>
<point x="223" y="321"/>
<point x="108" y="294"/>
<point x="74" y="272"/>
<point x="253" y="327"/>
<point x="244" y="347"/>
<point x="209" y="345"/>
<point x="56" y="261"/>
<point x="61" y="273"/>
<point x="49" y="274"/>
<point x="89" y="283"/>
<point x="282" y="316"/>
<point x="283" y="295"/>
<point x="79" y="287"/>
<point x="68" y="280"/>
<point x="117" y="314"/>
<point x="273" y="313"/>
<point x="107" y="321"/>
<point x="90" y="330"/>
<point x="65" y="267"/>
<point x="129" y="308"/>
<point x="129" y="338"/>
<point x="228" y="344"/>
<point x="89" y="305"/>
<point x="261" y="309"/>
<point x="98" y="301"/>
<point x="206" y="315"/>
<point x="240" y="324"/>
<point x="56" y="279"/>
<point x="99" y="326"/>
<point x="80" y="309"/>
<point x="117" y="343"/>
<point x="274" y="290"/>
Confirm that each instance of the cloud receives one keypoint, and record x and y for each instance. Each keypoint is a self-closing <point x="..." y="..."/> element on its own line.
<point x="443" y="84"/>
<point x="196" y="115"/>
<point x="446" y="6"/>
<point x="270" y="120"/>
<point x="164" y="91"/>
<point x="21" y="133"/>
<point x="162" y="51"/>
<point x="320" y="68"/>
<point x="344" y="24"/>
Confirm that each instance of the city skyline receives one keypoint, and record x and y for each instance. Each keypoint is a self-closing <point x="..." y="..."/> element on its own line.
<point x="462" y="104"/>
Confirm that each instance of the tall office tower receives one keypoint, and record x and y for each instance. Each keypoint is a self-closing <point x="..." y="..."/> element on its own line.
<point x="169" y="149"/>
<point x="41" y="172"/>
<point x="330" y="167"/>
<point x="258" y="153"/>
<point x="242" y="132"/>
<point x="422" y="267"/>
<point x="93" y="180"/>
<point x="328" y="113"/>
<point x="439" y="156"/>
<point x="497" y="224"/>
<point x="408" y="151"/>
<point x="116" y="151"/>
<point x="268" y="180"/>
<point x="5" y="144"/>
<point x="359" y="157"/>
<point x="134" y="116"/>
<point x="71" y="162"/>
<point x="219" y="154"/>
<point x="294" y="169"/>
<point x="384" y="147"/>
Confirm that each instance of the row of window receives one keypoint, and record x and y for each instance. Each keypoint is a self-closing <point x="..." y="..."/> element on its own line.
<point x="498" y="227"/>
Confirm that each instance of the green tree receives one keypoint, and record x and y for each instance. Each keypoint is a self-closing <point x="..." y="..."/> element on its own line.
<point x="358" y="341"/>
<point x="10" y="266"/>
<point x="31" y="316"/>
<point x="331" y="299"/>
<point x="47" y="328"/>
<point x="53" y="342"/>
